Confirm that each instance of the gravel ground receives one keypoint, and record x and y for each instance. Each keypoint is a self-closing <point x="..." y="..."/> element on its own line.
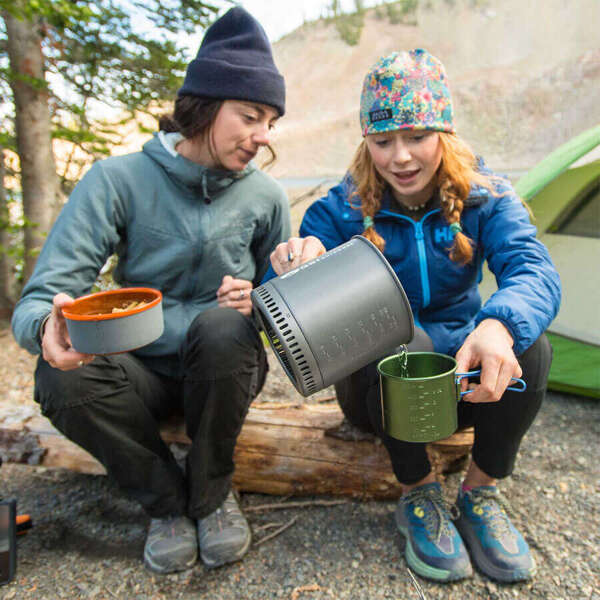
<point x="87" y="540"/>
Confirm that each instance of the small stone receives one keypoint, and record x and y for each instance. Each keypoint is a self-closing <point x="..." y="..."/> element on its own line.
<point x="587" y="590"/>
<point x="580" y="460"/>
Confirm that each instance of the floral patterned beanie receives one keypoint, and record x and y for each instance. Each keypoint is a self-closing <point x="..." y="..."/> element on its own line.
<point x="406" y="90"/>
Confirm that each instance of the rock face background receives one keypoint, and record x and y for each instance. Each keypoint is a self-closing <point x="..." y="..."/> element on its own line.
<point x="524" y="77"/>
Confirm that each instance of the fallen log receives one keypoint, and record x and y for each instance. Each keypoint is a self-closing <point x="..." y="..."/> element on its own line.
<point x="279" y="451"/>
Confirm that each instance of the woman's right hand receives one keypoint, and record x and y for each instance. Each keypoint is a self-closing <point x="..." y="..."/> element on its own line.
<point x="56" y="343"/>
<point x="295" y="252"/>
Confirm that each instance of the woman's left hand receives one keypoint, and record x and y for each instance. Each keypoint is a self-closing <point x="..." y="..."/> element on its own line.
<point x="235" y="293"/>
<point x="489" y="347"/>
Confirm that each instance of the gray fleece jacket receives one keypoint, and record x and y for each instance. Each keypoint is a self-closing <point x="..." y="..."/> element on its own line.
<point x="175" y="226"/>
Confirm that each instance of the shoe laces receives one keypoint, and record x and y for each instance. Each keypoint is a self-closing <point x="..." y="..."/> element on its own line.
<point x="172" y="526"/>
<point x="437" y="513"/>
<point x="227" y="515"/>
<point x="496" y="508"/>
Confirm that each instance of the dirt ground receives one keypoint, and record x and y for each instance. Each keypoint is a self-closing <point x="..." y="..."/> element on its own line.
<point x="87" y="539"/>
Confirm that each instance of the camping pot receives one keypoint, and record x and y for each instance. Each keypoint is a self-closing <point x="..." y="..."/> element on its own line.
<point x="334" y="314"/>
<point x="422" y="407"/>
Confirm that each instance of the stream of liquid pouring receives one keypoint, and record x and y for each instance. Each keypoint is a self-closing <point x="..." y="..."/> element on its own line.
<point x="403" y="361"/>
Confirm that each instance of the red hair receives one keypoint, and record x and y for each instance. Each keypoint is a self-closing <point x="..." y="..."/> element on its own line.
<point x="454" y="178"/>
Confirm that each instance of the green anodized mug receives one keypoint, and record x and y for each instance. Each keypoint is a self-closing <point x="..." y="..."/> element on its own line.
<point x="421" y="406"/>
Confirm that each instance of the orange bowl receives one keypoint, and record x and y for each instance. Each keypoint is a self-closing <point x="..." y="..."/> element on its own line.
<point x="115" y="321"/>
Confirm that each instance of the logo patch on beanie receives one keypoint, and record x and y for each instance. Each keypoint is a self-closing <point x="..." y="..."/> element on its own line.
<point x="383" y="114"/>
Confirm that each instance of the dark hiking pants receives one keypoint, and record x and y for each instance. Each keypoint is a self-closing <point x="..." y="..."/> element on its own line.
<point x="499" y="426"/>
<point x="112" y="408"/>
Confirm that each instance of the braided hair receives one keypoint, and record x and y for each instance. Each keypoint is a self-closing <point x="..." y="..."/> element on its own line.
<point x="369" y="190"/>
<point x="454" y="177"/>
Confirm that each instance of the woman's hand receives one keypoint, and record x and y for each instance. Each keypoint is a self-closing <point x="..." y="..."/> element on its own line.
<point x="488" y="347"/>
<point x="295" y="252"/>
<point x="235" y="293"/>
<point x="56" y="343"/>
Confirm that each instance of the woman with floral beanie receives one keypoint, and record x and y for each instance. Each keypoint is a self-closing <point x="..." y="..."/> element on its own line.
<point x="416" y="190"/>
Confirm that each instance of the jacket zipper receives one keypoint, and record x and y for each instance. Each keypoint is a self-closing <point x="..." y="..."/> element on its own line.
<point x="420" y="239"/>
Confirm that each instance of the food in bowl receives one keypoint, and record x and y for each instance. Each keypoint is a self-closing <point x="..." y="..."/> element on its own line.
<point x="129" y="306"/>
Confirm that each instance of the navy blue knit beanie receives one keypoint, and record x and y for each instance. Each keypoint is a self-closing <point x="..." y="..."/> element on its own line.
<point x="235" y="62"/>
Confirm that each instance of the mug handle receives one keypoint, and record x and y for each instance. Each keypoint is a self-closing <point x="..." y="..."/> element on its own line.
<point x="460" y="376"/>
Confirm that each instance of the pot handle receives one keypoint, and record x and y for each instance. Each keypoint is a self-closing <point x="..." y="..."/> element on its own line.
<point x="460" y="376"/>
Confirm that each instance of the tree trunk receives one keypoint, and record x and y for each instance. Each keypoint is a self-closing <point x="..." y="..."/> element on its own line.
<point x="6" y="276"/>
<point x="281" y="450"/>
<point x="39" y="182"/>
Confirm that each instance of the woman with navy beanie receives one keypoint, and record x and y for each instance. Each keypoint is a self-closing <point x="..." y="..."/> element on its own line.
<point x="417" y="191"/>
<point x="192" y="216"/>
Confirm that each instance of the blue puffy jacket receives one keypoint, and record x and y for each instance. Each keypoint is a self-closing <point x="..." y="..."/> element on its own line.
<point x="444" y="295"/>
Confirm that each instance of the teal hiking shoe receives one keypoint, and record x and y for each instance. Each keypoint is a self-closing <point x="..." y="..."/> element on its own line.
<point x="495" y="545"/>
<point x="171" y="545"/>
<point x="224" y="536"/>
<point x="434" y="548"/>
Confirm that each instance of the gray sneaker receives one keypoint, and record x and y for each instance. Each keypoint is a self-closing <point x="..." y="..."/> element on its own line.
<point x="224" y="536"/>
<point x="171" y="545"/>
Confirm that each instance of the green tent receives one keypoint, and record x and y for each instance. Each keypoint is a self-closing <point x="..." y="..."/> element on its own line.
<point x="566" y="206"/>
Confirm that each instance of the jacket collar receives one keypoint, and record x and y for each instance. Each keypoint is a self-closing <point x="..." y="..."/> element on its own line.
<point x="209" y="182"/>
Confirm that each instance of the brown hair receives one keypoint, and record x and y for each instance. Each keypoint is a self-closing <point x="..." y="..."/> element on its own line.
<point x="194" y="116"/>
<point x="454" y="177"/>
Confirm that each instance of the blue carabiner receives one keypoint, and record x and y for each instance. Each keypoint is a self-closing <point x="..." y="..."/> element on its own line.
<point x="461" y="376"/>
